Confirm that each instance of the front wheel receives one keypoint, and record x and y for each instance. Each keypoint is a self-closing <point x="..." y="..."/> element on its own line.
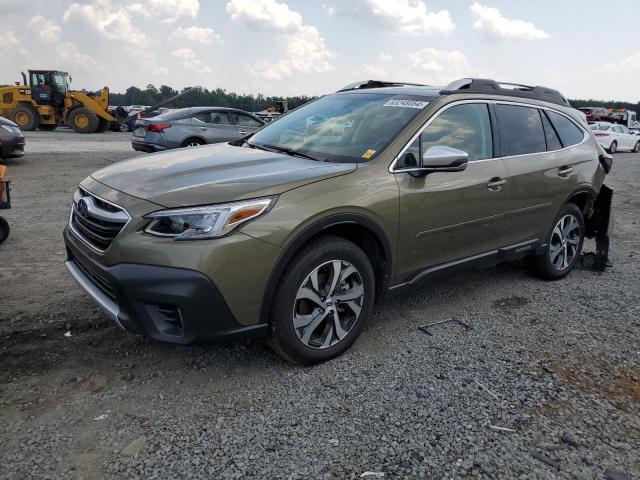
<point x="564" y="245"/>
<point x="322" y="302"/>
<point x="636" y="149"/>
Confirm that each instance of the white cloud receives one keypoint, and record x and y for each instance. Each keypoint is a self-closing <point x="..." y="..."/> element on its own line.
<point x="625" y="64"/>
<point x="206" y="36"/>
<point x="267" y="15"/>
<point x="171" y="10"/>
<point x="385" y="57"/>
<point x="376" y="72"/>
<point x="190" y="60"/>
<point x="491" y="21"/>
<point x="439" y="67"/>
<point x="47" y="30"/>
<point x="404" y="16"/>
<point x="109" y="20"/>
<point x="8" y="38"/>
<point x="306" y="53"/>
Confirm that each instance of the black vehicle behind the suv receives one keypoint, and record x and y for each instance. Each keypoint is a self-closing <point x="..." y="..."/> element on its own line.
<point x="11" y="139"/>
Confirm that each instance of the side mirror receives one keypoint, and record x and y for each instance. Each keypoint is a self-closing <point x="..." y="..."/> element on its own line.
<point x="444" y="159"/>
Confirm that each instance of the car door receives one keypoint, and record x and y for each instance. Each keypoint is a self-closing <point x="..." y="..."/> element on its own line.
<point x="245" y="124"/>
<point x="215" y="126"/>
<point x="629" y="139"/>
<point x="537" y="149"/>
<point x="447" y="218"/>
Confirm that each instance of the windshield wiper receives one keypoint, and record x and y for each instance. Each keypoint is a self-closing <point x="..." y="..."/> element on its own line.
<point x="290" y="151"/>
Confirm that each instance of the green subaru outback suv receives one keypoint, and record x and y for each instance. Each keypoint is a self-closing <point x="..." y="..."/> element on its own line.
<point x="295" y="231"/>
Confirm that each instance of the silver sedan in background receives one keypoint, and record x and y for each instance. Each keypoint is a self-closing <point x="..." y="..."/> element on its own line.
<point x="190" y="127"/>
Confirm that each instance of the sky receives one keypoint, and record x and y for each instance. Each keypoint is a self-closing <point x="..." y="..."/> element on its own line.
<point x="309" y="47"/>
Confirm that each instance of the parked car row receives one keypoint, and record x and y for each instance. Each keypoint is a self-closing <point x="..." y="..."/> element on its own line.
<point x="615" y="138"/>
<point x="191" y="127"/>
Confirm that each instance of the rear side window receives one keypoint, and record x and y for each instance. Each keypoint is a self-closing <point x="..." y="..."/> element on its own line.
<point x="553" y="142"/>
<point x="466" y="127"/>
<point x="521" y="130"/>
<point x="569" y="133"/>
<point x="245" y="120"/>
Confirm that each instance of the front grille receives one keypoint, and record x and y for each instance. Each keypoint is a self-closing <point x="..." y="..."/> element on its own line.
<point x="95" y="277"/>
<point x="95" y="220"/>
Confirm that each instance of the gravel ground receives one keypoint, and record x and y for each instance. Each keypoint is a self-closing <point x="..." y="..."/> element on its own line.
<point x="545" y="385"/>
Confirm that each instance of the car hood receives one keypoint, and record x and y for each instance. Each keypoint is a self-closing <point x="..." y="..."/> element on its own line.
<point x="214" y="174"/>
<point x="6" y="121"/>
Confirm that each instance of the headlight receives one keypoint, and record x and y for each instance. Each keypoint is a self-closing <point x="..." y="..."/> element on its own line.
<point x="205" y="222"/>
<point x="10" y="128"/>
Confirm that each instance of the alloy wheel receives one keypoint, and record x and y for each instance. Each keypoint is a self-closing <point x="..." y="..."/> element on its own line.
<point x="328" y="304"/>
<point x="565" y="241"/>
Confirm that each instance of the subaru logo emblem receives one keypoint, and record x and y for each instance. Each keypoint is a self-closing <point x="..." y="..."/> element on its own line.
<point x="83" y="208"/>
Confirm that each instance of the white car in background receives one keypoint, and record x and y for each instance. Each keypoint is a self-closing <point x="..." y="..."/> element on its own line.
<point x="614" y="137"/>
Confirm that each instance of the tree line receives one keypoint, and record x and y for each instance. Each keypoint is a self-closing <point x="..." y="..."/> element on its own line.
<point x="219" y="97"/>
<point x="199" y="96"/>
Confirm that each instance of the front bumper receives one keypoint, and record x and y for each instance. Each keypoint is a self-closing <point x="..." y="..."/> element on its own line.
<point x="12" y="148"/>
<point x="164" y="303"/>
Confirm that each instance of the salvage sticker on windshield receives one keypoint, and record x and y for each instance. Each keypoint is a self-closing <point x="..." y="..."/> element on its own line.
<point x="406" y="104"/>
<point x="368" y="154"/>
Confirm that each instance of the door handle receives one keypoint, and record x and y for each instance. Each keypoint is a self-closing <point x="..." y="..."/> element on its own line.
<point x="242" y="132"/>
<point x="202" y="128"/>
<point x="495" y="184"/>
<point x="565" y="171"/>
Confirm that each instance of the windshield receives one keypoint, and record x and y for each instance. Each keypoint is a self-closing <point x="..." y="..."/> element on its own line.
<point x="60" y="82"/>
<point x="343" y="127"/>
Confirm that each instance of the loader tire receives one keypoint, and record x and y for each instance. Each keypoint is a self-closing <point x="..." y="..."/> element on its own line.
<point x="27" y="118"/>
<point x="83" y="120"/>
<point x="103" y="125"/>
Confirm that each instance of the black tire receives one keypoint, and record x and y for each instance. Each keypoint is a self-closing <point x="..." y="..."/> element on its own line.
<point x="83" y="120"/>
<point x="124" y="127"/>
<point x="47" y="127"/>
<point x="636" y="149"/>
<point x="4" y="229"/>
<point x="193" y="142"/>
<point x="284" y="338"/>
<point x="542" y="266"/>
<point x="613" y="148"/>
<point x="103" y="125"/>
<point x="27" y="118"/>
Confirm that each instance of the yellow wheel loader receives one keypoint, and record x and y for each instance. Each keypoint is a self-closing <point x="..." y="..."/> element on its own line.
<point x="46" y="102"/>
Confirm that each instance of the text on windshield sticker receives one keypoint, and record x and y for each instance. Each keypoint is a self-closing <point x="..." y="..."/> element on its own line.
<point x="406" y="104"/>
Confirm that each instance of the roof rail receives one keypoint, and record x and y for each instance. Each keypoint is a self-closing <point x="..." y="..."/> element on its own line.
<point x="481" y="85"/>
<point x="364" y="84"/>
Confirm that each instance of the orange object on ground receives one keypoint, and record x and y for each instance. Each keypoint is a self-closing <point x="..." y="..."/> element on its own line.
<point x="3" y="173"/>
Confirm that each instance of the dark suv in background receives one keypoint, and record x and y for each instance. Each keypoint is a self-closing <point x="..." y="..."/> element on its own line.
<point x="294" y="232"/>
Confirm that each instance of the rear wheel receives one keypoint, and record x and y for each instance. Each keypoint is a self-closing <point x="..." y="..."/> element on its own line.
<point x="83" y="120"/>
<point x="26" y="118"/>
<point x="48" y="127"/>
<point x="564" y="245"/>
<point x="636" y="149"/>
<point x="322" y="302"/>
<point x="613" y="148"/>
<point x="193" y="142"/>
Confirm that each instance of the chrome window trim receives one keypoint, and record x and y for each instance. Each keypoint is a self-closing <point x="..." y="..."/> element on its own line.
<point x="492" y="102"/>
<point x="79" y="235"/>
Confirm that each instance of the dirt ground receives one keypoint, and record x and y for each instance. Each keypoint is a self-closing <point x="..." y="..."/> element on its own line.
<point x="69" y="405"/>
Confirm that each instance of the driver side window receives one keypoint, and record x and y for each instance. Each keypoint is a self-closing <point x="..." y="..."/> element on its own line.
<point x="466" y="127"/>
